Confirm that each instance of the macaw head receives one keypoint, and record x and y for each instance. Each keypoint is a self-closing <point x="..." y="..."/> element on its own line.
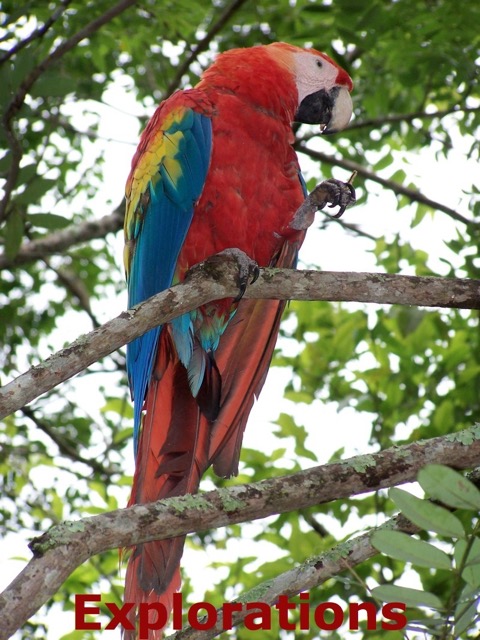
<point x="295" y="84"/>
<point x="323" y="87"/>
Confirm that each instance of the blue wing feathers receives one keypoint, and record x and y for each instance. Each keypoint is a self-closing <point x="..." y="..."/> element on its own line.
<point x="164" y="223"/>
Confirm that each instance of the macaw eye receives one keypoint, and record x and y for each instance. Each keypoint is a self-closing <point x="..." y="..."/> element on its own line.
<point x="319" y="63"/>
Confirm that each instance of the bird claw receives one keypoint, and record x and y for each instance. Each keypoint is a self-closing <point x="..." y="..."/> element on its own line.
<point x="333" y="193"/>
<point x="248" y="269"/>
<point x="340" y="194"/>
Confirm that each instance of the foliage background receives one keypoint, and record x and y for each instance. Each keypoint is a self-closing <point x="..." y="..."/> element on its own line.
<point x="70" y="117"/>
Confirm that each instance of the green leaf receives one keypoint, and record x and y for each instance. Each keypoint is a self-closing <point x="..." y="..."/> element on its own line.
<point x="35" y="190"/>
<point x="277" y="454"/>
<point x="421" y="212"/>
<point x="27" y="173"/>
<point x="13" y="233"/>
<point x="429" y="516"/>
<point x="466" y="610"/>
<point x="399" y="176"/>
<point x="122" y="435"/>
<point x="48" y="221"/>
<point x="5" y="162"/>
<point x="401" y="546"/>
<point x="288" y="427"/>
<point x="22" y="66"/>
<point x="53" y="85"/>
<point x="444" y="414"/>
<point x="406" y="595"/>
<point x="465" y="616"/>
<point x="470" y="565"/>
<point x="450" y="487"/>
<point x="384" y="162"/>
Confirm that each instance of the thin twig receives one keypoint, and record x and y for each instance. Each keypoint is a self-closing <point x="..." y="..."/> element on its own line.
<point x="38" y="33"/>
<point x="61" y="50"/>
<point x="408" y="117"/>
<point x="64" y="446"/>
<point x="414" y="196"/>
<point x="74" y="286"/>
<point x="60" y="241"/>
<point x="19" y="98"/>
<point x="203" y="44"/>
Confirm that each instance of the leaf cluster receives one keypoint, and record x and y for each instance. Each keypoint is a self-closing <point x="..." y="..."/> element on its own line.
<point x="450" y="592"/>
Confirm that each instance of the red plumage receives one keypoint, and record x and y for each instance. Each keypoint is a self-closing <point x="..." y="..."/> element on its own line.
<point x="251" y="193"/>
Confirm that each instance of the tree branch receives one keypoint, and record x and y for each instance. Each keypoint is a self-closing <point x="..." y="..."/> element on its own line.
<point x="412" y="194"/>
<point x="395" y="118"/>
<point x="19" y="98"/>
<point x="37" y="33"/>
<point x="60" y="241"/>
<point x="58" y="552"/>
<point x="306" y="576"/>
<point x="216" y="279"/>
<point x="66" y="448"/>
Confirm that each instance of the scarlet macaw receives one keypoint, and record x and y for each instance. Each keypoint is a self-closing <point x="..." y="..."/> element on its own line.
<point x="214" y="170"/>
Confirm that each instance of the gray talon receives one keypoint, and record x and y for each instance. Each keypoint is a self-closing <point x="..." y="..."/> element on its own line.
<point x="333" y="193"/>
<point x="255" y="273"/>
<point x="248" y="269"/>
<point x="340" y="194"/>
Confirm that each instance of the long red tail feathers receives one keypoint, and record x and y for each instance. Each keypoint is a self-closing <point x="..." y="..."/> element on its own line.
<point x="178" y="443"/>
<point x="171" y="458"/>
<point x="243" y="358"/>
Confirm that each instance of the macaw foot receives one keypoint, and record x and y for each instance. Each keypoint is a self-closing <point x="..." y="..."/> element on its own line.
<point x="245" y="268"/>
<point x="248" y="270"/>
<point x="333" y="193"/>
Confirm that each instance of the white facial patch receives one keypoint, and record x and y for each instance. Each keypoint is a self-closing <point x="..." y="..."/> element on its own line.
<point x="310" y="76"/>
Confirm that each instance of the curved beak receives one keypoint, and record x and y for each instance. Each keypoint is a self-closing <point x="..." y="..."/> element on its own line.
<point x="332" y="109"/>
<point x="341" y="112"/>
